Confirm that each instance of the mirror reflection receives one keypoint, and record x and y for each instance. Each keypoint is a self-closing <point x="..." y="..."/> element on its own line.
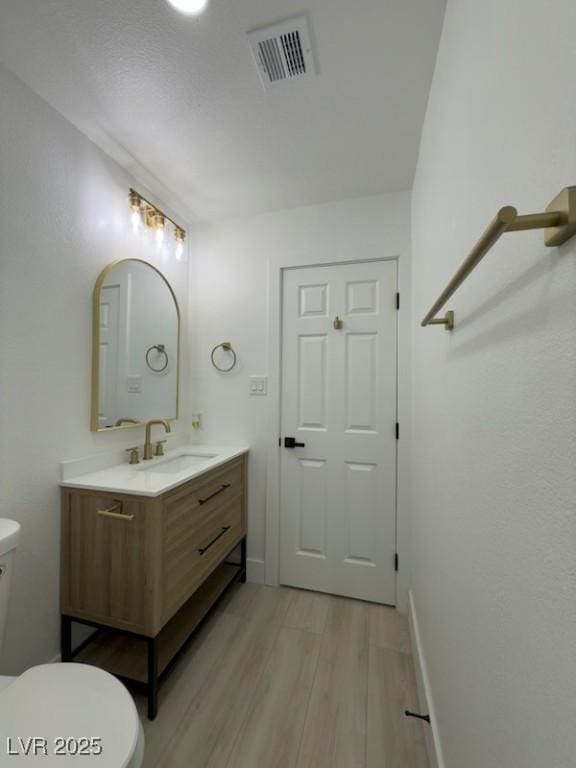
<point x="136" y="346"/>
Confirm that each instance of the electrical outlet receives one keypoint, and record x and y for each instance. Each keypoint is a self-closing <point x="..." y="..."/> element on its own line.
<point x="258" y="385"/>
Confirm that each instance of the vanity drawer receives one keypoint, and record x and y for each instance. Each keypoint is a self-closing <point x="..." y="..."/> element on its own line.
<point x="214" y="489"/>
<point x="195" y="543"/>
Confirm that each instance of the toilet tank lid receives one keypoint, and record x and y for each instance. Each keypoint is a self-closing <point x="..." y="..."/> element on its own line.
<point x="9" y="535"/>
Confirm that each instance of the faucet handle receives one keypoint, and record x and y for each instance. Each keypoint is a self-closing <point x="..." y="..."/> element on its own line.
<point x="134" y="455"/>
<point x="160" y="448"/>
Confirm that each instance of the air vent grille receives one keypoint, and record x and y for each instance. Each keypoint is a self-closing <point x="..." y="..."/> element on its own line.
<point x="294" y="54"/>
<point x="283" y="52"/>
<point x="271" y="59"/>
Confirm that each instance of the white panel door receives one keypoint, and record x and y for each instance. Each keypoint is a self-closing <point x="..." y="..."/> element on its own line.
<point x="109" y="351"/>
<point x="338" y="491"/>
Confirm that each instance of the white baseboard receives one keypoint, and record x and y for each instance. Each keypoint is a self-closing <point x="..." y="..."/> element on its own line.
<point x="433" y="742"/>
<point x="255" y="571"/>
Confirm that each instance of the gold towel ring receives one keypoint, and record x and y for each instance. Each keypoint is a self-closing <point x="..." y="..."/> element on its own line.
<point x="161" y="349"/>
<point x="227" y="347"/>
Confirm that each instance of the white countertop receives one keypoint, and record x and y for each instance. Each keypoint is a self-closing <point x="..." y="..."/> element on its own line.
<point x="142" y="479"/>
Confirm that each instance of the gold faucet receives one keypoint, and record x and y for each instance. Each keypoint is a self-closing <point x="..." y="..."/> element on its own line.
<point x="148" y="454"/>
<point x="124" y="420"/>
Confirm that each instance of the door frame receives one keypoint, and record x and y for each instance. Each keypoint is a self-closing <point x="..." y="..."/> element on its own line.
<point x="273" y="486"/>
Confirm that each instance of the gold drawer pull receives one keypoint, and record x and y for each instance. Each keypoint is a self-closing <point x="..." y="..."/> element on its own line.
<point x="113" y="513"/>
<point x="224" y="530"/>
<point x="222" y="488"/>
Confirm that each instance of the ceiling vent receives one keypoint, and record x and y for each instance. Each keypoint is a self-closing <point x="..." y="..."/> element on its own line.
<point x="283" y="51"/>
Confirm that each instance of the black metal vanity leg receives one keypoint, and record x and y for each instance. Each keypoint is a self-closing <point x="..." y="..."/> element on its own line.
<point x="66" y="638"/>
<point x="152" y="678"/>
<point x="243" y="549"/>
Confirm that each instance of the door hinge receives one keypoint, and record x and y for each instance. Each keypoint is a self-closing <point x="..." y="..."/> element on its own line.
<point x="397" y="301"/>
<point x="280" y="442"/>
<point x="397" y="431"/>
<point x="396" y="562"/>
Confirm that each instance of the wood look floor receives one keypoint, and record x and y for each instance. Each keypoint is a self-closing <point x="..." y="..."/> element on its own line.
<point x="281" y="678"/>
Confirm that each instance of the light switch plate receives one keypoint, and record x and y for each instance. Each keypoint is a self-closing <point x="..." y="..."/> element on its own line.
<point x="134" y="384"/>
<point x="258" y="385"/>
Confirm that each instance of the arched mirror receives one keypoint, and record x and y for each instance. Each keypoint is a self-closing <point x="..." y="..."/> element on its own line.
<point x="136" y="340"/>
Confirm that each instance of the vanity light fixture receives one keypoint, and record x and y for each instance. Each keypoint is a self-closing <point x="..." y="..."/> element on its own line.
<point x="189" y="7"/>
<point x="155" y="219"/>
<point x="135" y="203"/>
<point x="149" y="216"/>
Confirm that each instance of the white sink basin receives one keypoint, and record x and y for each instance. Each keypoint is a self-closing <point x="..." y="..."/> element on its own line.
<point x="180" y="463"/>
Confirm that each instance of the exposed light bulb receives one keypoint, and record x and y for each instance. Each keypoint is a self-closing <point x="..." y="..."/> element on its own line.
<point x="179" y="236"/>
<point x="189" y="7"/>
<point x="159" y="224"/>
<point x="135" y="201"/>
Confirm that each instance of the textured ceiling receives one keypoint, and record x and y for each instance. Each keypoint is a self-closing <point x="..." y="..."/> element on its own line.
<point x="181" y="98"/>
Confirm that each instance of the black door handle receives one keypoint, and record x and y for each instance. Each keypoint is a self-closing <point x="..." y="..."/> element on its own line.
<point x="290" y="442"/>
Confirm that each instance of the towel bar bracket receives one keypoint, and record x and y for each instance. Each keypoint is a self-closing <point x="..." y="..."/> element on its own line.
<point x="565" y="204"/>
<point x="536" y="221"/>
<point x="447" y="321"/>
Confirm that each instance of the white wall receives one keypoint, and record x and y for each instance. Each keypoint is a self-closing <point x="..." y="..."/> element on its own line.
<point x="494" y="459"/>
<point x="234" y="295"/>
<point x="63" y="216"/>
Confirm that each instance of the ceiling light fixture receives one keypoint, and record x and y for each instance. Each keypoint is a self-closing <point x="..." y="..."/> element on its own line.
<point x="189" y="7"/>
<point x="155" y="219"/>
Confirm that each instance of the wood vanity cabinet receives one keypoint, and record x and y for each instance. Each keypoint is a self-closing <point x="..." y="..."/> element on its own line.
<point x="149" y="566"/>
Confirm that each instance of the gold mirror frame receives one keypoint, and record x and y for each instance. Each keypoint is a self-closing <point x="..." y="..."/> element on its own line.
<point x="94" y="426"/>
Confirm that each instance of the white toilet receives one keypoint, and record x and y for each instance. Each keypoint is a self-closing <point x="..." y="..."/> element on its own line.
<point x="59" y="714"/>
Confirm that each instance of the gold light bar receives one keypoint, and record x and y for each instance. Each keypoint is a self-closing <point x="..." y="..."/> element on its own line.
<point x="153" y="217"/>
<point x="559" y="221"/>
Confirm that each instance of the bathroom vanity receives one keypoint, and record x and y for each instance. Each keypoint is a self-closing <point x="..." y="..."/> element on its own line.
<point x="146" y="553"/>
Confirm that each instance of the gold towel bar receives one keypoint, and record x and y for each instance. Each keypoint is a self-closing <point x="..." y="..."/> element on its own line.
<point x="559" y="221"/>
